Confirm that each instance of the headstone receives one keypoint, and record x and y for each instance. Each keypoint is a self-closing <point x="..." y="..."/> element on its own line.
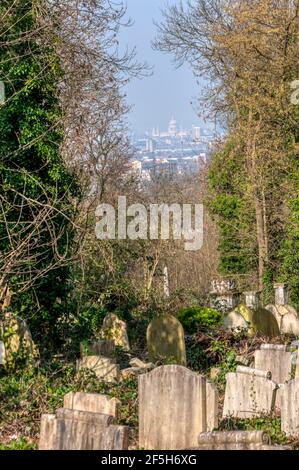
<point x="172" y="408"/>
<point x="212" y="397"/>
<point x="48" y="432"/>
<point x="116" y="330"/>
<point x="290" y="408"/>
<point x="275" y="358"/>
<point x="249" y="393"/>
<point x="104" y="368"/>
<point x="235" y="322"/>
<point x="286" y="316"/>
<point x="17" y="339"/>
<point x="92" y="402"/>
<point x="2" y="354"/>
<point x="81" y="430"/>
<point x="259" y="321"/>
<point x="166" y="340"/>
<point x="103" y="347"/>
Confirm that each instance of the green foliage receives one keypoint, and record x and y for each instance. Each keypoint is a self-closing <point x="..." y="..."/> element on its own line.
<point x="193" y="318"/>
<point x="267" y="423"/>
<point x="32" y="171"/>
<point x="27" y="394"/>
<point x="234" y="213"/>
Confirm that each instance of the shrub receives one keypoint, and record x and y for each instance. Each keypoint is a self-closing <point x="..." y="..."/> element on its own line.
<point x="193" y="318"/>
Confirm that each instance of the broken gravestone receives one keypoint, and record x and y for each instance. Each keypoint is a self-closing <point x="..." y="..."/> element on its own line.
<point x="116" y="330"/>
<point x="249" y="393"/>
<point x="172" y="408"/>
<point x="290" y="408"/>
<point x="81" y="430"/>
<point x="104" y="368"/>
<point x="275" y="358"/>
<point x="166" y="340"/>
<point x="92" y="402"/>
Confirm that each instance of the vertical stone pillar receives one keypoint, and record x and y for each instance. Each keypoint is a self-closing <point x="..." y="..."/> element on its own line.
<point x="252" y="299"/>
<point x="281" y="294"/>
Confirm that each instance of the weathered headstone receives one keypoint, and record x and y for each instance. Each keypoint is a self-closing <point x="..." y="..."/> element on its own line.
<point x="212" y="398"/>
<point x="17" y="339"/>
<point x="81" y="430"/>
<point x="172" y="408"/>
<point x="92" y="402"/>
<point x="274" y="357"/>
<point x="166" y="340"/>
<point x="116" y="330"/>
<point x="234" y="321"/>
<point x="259" y="321"/>
<point x="104" y="368"/>
<point x="249" y="393"/>
<point x="48" y="432"/>
<point x="290" y="408"/>
<point x="286" y="316"/>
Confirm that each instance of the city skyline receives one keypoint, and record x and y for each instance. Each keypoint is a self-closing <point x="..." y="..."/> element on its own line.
<point x="170" y="90"/>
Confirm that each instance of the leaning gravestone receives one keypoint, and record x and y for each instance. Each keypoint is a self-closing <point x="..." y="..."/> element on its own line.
<point x="275" y="358"/>
<point x="104" y="368"/>
<point x="249" y="393"/>
<point x="116" y="330"/>
<point x="81" y="430"/>
<point x="172" y="408"/>
<point x="290" y="408"/>
<point x="166" y="340"/>
<point x="92" y="402"/>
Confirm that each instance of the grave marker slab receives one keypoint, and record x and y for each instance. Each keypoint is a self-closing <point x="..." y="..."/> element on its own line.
<point x="92" y="402"/>
<point x="275" y="358"/>
<point x="166" y="340"/>
<point x="249" y="393"/>
<point x="172" y="408"/>
<point x="290" y="408"/>
<point x="105" y="368"/>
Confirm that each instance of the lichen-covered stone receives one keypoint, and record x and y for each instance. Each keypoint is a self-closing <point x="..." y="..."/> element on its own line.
<point x="166" y="340"/>
<point x="116" y="330"/>
<point x="259" y="321"/>
<point x="17" y="340"/>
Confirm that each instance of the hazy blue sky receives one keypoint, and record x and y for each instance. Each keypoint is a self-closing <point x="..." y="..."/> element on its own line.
<point x="169" y="91"/>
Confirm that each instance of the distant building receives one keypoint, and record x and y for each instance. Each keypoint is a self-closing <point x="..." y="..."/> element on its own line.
<point x="172" y="128"/>
<point x="196" y="133"/>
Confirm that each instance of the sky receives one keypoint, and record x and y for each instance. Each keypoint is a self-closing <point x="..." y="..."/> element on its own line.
<point x="169" y="91"/>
